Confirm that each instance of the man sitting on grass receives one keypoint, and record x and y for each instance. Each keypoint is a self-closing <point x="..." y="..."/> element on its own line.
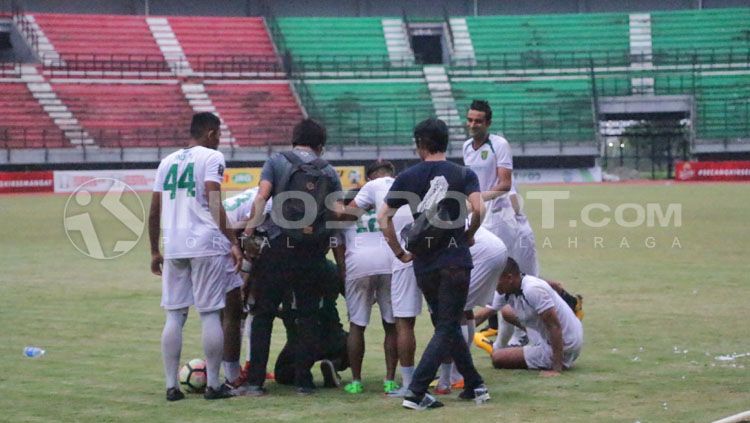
<point x="555" y="333"/>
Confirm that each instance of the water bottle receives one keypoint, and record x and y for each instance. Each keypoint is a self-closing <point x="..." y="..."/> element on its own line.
<point x="33" y="352"/>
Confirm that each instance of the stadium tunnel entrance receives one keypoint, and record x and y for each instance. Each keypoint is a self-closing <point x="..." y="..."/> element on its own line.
<point x="429" y="43"/>
<point x="645" y="133"/>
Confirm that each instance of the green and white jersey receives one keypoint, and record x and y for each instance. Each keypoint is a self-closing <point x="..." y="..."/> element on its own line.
<point x="367" y="252"/>
<point x="240" y="206"/>
<point x="188" y="229"/>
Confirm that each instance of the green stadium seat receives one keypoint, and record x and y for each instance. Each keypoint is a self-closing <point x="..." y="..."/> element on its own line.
<point x="368" y="112"/>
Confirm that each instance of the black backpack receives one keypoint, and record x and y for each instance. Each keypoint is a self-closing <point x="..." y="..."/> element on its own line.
<point x="308" y="178"/>
<point x="422" y="237"/>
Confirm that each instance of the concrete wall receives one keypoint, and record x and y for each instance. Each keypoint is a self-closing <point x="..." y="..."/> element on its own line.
<point x="413" y="8"/>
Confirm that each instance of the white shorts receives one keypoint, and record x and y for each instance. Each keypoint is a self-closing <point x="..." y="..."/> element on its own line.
<point x="234" y="279"/>
<point x="502" y="223"/>
<point x="524" y="251"/>
<point x="538" y="353"/>
<point x="199" y="281"/>
<point x="406" y="297"/>
<point x="483" y="282"/>
<point x="362" y="293"/>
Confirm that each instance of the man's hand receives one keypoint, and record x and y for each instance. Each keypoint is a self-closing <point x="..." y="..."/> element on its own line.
<point x="549" y="373"/>
<point x="237" y="257"/>
<point x="156" y="263"/>
<point x="470" y="241"/>
<point x="407" y="257"/>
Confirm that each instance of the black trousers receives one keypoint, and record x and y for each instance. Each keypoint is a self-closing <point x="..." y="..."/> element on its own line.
<point x="289" y="276"/>
<point x="332" y="347"/>
<point x="445" y="291"/>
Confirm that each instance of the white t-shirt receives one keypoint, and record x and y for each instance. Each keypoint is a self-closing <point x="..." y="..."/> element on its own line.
<point x="486" y="246"/>
<point x="367" y="252"/>
<point x="538" y="297"/>
<point x="484" y="162"/>
<point x="189" y="230"/>
<point x="240" y="206"/>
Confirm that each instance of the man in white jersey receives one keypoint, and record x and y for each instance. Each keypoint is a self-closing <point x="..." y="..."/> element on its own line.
<point x="238" y="209"/>
<point x="368" y="276"/>
<point x="406" y="298"/>
<point x="524" y="249"/>
<point x="199" y="250"/>
<point x="555" y="333"/>
<point x="490" y="157"/>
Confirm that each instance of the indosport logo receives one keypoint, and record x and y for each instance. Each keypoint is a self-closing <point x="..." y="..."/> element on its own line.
<point x="104" y="225"/>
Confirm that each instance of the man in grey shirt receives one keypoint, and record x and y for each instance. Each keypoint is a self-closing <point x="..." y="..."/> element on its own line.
<point x="287" y="269"/>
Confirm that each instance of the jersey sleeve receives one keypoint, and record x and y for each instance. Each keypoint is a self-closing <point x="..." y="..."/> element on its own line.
<point x="471" y="182"/>
<point x="538" y="298"/>
<point x="498" y="301"/>
<point x="267" y="173"/>
<point x="335" y="178"/>
<point x="400" y="184"/>
<point x="215" y="168"/>
<point x="503" y="154"/>
<point x="159" y="178"/>
<point x="365" y="198"/>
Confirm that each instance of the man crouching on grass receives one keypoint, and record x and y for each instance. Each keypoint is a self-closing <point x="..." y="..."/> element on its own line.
<point x="555" y="333"/>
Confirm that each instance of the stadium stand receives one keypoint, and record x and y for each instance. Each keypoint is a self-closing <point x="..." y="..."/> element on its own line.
<point x="329" y="44"/>
<point x="221" y="44"/>
<point x="539" y="110"/>
<point x="258" y="114"/>
<point x="103" y="42"/>
<point x="129" y="115"/>
<point x="543" y="41"/>
<point x="371" y="112"/>
<point x="535" y="70"/>
<point x="722" y="101"/>
<point x="24" y="122"/>
<point x="710" y="36"/>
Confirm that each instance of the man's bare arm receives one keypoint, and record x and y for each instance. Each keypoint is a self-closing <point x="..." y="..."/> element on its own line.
<point x="552" y="323"/>
<point x="385" y="221"/>
<point x="154" y="231"/>
<point x="477" y="215"/>
<point x="504" y="183"/>
<point x="213" y="193"/>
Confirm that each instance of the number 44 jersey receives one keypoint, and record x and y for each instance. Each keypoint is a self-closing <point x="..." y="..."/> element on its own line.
<point x="188" y="228"/>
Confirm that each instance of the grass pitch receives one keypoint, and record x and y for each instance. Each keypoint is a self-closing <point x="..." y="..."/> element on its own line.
<point x="666" y="316"/>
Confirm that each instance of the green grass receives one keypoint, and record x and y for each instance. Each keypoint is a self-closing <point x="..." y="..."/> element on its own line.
<point x="674" y="308"/>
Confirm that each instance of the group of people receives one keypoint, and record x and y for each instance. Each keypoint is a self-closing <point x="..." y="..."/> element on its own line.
<point x="453" y="235"/>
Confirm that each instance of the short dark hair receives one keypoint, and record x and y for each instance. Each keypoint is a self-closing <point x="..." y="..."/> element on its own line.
<point x="482" y="106"/>
<point x="511" y="267"/>
<point x="203" y="122"/>
<point x="380" y="164"/>
<point x="310" y="133"/>
<point x="432" y="135"/>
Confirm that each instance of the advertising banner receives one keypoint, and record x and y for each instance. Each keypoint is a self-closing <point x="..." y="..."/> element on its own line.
<point x="19" y="182"/>
<point x="240" y="179"/>
<point x="235" y="179"/>
<point x="67" y="181"/>
<point x="713" y="171"/>
<point x="547" y="176"/>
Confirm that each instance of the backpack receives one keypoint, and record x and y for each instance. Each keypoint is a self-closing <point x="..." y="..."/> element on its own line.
<point x="307" y="178"/>
<point x="421" y="236"/>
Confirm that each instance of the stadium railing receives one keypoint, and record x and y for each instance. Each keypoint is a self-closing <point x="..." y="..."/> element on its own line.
<point x="128" y="65"/>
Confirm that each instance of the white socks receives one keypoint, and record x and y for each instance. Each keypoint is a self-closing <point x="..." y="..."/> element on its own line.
<point x="406" y="375"/>
<point x="171" y="345"/>
<point x="445" y="375"/>
<point x="213" y="346"/>
<point x="231" y="370"/>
